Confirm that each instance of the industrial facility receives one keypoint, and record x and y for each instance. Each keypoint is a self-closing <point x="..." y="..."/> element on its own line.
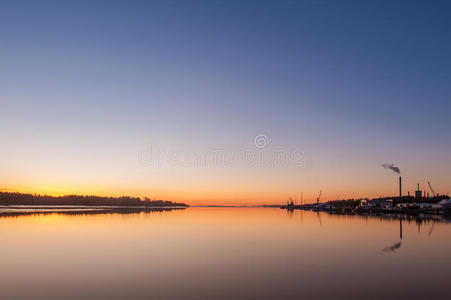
<point x="422" y="201"/>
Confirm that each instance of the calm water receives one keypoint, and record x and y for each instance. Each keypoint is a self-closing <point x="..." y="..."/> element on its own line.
<point x="222" y="253"/>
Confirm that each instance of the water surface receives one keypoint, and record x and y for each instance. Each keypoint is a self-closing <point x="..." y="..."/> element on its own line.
<point x="222" y="253"/>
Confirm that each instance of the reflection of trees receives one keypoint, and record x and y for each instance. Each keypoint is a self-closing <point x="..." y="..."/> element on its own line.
<point x="89" y="211"/>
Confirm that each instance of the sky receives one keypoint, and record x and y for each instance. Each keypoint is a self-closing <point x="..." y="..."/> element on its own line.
<point x="225" y="102"/>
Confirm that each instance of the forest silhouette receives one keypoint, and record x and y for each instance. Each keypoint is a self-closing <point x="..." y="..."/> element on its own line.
<point x="8" y="198"/>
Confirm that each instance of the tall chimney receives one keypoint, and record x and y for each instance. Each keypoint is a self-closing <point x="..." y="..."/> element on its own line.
<point x="400" y="187"/>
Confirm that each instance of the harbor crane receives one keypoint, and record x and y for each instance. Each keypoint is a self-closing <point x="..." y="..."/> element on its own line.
<point x="319" y="197"/>
<point x="432" y="190"/>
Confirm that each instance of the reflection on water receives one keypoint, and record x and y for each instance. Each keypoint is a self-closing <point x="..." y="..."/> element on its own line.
<point x="223" y="253"/>
<point x="432" y="229"/>
<point x="396" y="246"/>
<point x="9" y="211"/>
<point x="393" y="248"/>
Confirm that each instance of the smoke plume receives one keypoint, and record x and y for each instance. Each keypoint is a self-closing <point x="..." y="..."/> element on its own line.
<point x="392" y="167"/>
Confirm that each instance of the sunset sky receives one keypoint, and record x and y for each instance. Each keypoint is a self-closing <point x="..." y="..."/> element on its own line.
<point x="129" y="98"/>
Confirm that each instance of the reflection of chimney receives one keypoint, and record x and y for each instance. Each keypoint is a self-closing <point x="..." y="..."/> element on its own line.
<point x="400" y="229"/>
<point x="400" y="187"/>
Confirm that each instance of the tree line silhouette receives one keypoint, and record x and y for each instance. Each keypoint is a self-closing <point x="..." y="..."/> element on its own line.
<point x="8" y="198"/>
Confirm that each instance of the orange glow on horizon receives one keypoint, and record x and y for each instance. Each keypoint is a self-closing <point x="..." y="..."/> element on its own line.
<point x="235" y="188"/>
<point x="206" y="197"/>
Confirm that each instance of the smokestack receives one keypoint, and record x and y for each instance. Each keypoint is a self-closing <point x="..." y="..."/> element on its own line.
<point x="400" y="187"/>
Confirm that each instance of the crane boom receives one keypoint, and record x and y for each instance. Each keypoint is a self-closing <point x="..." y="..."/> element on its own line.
<point x="432" y="190"/>
<point x="319" y="197"/>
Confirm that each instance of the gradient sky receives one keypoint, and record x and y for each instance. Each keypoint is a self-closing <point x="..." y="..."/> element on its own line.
<point x="87" y="88"/>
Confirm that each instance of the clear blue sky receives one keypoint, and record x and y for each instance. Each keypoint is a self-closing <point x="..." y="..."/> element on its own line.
<point x="86" y="85"/>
